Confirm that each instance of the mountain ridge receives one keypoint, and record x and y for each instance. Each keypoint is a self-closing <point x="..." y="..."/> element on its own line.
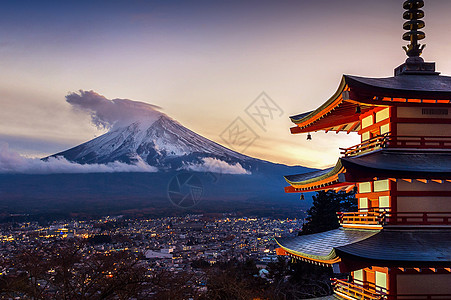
<point x="164" y="143"/>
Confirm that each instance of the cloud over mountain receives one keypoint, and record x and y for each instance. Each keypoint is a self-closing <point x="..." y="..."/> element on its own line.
<point x="106" y="113"/>
<point x="14" y="163"/>
<point x="214" y="165"/>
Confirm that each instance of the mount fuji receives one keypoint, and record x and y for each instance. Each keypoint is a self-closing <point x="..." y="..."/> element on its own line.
<point x="225" y="180"/>
<point x="163" y="143"/>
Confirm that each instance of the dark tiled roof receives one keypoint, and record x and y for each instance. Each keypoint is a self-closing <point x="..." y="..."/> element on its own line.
<point x="402" y="86"/>
<point x="300" y="116"/>
<point x="388" y="163"/>
<point x="321" y="245"/>
<point x="413" y="162"/>
<point x="307" y="176"/>
<point x="421" y="85"/>
<point x="393" y="247"/>
<point x="403" y="246"/>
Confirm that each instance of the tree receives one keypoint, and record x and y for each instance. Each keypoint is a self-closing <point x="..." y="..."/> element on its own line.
<point x="64" y="270"/>
<point x="234" y="280"/>
<point x="323" y="213"/>
<point x="299" y="280"/>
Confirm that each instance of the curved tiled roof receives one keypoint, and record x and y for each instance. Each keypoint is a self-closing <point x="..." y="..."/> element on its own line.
<point x="388" y="163"/>
<point x="403" y="246"/>
<point x="393" y="247"/>
<point x="320" y="246"/>
<point x="405" y="85"/>
<point x="337" y="110"/>
<point x="304" y="177"/>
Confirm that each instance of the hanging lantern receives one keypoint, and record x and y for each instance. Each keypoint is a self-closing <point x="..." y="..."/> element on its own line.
<point x="358" y="110"/>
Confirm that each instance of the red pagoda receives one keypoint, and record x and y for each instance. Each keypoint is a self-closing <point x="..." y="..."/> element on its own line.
<point x="398" y="244"/>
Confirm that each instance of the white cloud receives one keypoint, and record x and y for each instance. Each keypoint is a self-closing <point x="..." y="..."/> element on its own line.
<point x="13" y="163"/>
<point x="106" y="113"/>
<point x="215" y="165"/>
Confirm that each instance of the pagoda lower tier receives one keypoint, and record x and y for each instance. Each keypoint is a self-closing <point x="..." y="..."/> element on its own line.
<point x="383" y="264"/>
<point x="350" y="249"/>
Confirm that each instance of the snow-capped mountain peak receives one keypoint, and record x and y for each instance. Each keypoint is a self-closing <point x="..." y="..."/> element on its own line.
<point x="160" y="141"/>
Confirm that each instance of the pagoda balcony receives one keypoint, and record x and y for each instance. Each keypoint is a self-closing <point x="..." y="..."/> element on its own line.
<point x="376" y="219"/>
<point x="374" y="143"/>
<point x="369" y="220"/>
<point x="389" y="141"/>
<point x="347" y="290"/>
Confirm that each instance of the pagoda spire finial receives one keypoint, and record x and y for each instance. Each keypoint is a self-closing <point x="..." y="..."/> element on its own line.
<point x="413" y="14"/>
<point x="414" y="64"/>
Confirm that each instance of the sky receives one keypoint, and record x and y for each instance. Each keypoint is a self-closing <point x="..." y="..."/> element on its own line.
<point x="204" y="63"/>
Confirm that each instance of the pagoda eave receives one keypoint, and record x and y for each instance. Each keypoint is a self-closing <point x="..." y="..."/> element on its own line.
<point x="384" y="164"/>
<point x="381" y="164"/>
<point x="401" y="248"/>
<point x="320" y="247"/>
<point x="355" y="249"/>
<point x="359" y="94"/>
<point x="418" y="86"/>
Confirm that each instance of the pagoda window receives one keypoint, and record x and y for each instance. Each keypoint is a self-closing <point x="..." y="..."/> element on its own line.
<point x="358" y="277"/>
<point x="381" y="282"/>
<point x="384" y="202"/>
<point x="381" y="185"/>
<point x="385" y="128"/>
<point x="374" y="123"/>
<point x="367" y="121"/>
<point x="365" y="187"/>
<point x="363" y="204"/>
<point x="382" y="115"/>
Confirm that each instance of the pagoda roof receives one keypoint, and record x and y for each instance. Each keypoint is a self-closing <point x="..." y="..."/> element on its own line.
<point x="418" y="86"/>
<point x="320" y="246"/>
<point x="400" y="164"/>
<point x="310" y="176"/>
<point x="338" y="113"/>
<point x="382" y="163"/>
<point x="407" y="247"/>
<point x="403" y="248"/>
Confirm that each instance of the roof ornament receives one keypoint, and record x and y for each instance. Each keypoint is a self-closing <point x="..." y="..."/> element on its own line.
<point x="413" y="14"/>
<point x="414" y="64"/>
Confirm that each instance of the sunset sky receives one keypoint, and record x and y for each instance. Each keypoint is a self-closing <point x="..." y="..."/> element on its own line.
<point x="202" y="62"/>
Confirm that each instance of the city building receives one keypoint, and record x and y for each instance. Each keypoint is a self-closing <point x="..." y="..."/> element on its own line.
<point x="398" y="244"/>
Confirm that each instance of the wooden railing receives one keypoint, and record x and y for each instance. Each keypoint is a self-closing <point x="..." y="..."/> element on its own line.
<point x="418" y="218"/>
<point x="368" y="145"/>
<point x="376" y="218"/>
<point x="360" y="218"/>
<point x="389" y="141"/>
<point x="342" y="287"/>
<point x="350" y="290"/>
